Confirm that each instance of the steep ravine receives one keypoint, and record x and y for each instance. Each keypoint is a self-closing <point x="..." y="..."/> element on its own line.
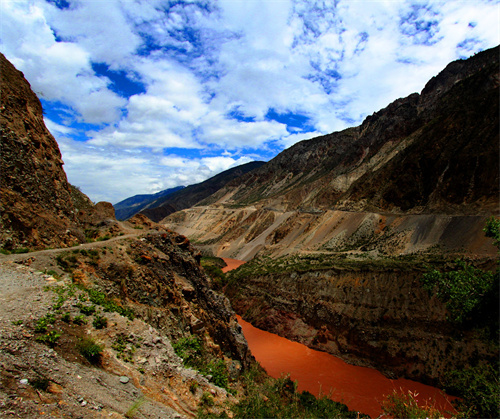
<point x="374" y="315"/>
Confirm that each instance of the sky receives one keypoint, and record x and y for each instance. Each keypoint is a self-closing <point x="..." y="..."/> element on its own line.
<point x="143" y="96"/>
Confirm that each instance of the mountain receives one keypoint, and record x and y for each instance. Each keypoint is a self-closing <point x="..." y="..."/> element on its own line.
<point x="130" y="206"/>
<point x="422" y="172"/>
<point x="38" y="206"/>
<point x="161" y="207"/>
<point x="430" y="153"/>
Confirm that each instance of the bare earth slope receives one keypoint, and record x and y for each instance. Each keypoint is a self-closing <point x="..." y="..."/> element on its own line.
<point x="420" y="174"/>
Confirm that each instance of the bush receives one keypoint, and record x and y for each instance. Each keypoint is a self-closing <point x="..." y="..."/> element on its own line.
<point x="90" y="350"/>
<point x="479" y="389"/>
<point x="400" y="405"/>
<point x="100" y="322"/>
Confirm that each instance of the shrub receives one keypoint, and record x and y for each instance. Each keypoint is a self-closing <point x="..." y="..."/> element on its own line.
<point x="100" y="322"/>
<point x="400" y="405"/>
<point x="50" y="338"/>
<point x="479" y="389"/>
<point x="90" y="350"/>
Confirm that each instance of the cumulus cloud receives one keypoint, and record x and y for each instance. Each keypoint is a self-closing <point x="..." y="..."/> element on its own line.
<point x="223" y="82"/>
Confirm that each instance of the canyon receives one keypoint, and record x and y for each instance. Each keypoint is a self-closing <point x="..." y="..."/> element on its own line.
<point x="339" y="230"/>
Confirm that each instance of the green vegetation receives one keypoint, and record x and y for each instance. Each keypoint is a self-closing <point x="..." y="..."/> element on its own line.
<point x="266" y="397"/>
<point x="213" y="267"/>
<point x="17" y="322"/>
<point x="324" y="261"/>
<point x="90" y="350"/>
<point x="399" y="405"/>
<point x="69" y="261"/>
<point x="194" y="355"/>
<point x="125" y="347"/>
<point x="87" y="310"/>
<point x="100" y="322"/>
<point x="42" y="323"/>
<point x="471" y="296"/>
<point x="80" y="319"/>
<point x="466" y="291"/>
<point x="479" y="390"/>
<point x="132" y="410"/>
<point x="99" y="298"/>
<point x="50" y="338"/>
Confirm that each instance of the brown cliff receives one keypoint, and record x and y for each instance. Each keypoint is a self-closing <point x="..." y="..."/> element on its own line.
<point x="38" y="206"/>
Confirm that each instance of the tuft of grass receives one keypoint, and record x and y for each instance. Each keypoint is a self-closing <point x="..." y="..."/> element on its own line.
<point x="100" y="322"/>
<point x="132" y="410"/>
<point x="90" y="350"/>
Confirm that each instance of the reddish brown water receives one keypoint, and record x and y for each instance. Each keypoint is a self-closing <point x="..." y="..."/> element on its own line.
<point x="361" y="389"/>
<point x="231" y="264"/>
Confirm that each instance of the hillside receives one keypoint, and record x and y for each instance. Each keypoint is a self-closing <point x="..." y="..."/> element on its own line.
<point x="159" y="208"/>
<point x="421" y="173"/>
<point x="131" y="206"/>
<point x="38" y="206"/>
<point x="95" y="324"/>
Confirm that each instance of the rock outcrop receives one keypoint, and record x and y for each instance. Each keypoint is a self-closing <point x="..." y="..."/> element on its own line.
<point x="38" y="207"/>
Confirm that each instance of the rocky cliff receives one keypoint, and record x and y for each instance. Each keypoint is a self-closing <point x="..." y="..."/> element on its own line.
<point x="38" y="206"/>
<point x="372" y="313"/>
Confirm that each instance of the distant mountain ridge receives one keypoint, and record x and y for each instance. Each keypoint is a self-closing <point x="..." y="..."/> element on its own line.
<point x="431" y="152"/>
<point x="131" y="206"/>
<point x="164" y="203"/>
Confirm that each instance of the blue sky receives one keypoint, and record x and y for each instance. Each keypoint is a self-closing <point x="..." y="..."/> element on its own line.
<point x="147" y="95"/>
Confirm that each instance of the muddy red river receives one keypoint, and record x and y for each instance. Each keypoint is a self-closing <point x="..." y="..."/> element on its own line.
<point x="361" y="389"/>
<point x="231" y="264"/>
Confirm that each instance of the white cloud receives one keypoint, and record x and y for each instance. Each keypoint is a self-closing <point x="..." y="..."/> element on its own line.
<point x="57" y="71"/>
<point x="331" y="62"/>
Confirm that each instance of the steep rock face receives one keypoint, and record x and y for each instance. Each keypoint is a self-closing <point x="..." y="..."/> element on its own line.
<point x="368" y="314"/>
<point x="435" y="152"/>
<point x="38" y="206"/>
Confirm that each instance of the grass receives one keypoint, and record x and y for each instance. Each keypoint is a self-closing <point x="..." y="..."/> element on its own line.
<point x="194" y="355"/>
<point x="90" y="350"/>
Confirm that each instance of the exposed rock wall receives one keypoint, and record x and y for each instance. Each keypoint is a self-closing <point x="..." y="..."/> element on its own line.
<point x="38" y="206"/>
<point x="377" y="316"/>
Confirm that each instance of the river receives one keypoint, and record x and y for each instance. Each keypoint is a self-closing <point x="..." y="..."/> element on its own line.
<point x="360" y="388"/>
